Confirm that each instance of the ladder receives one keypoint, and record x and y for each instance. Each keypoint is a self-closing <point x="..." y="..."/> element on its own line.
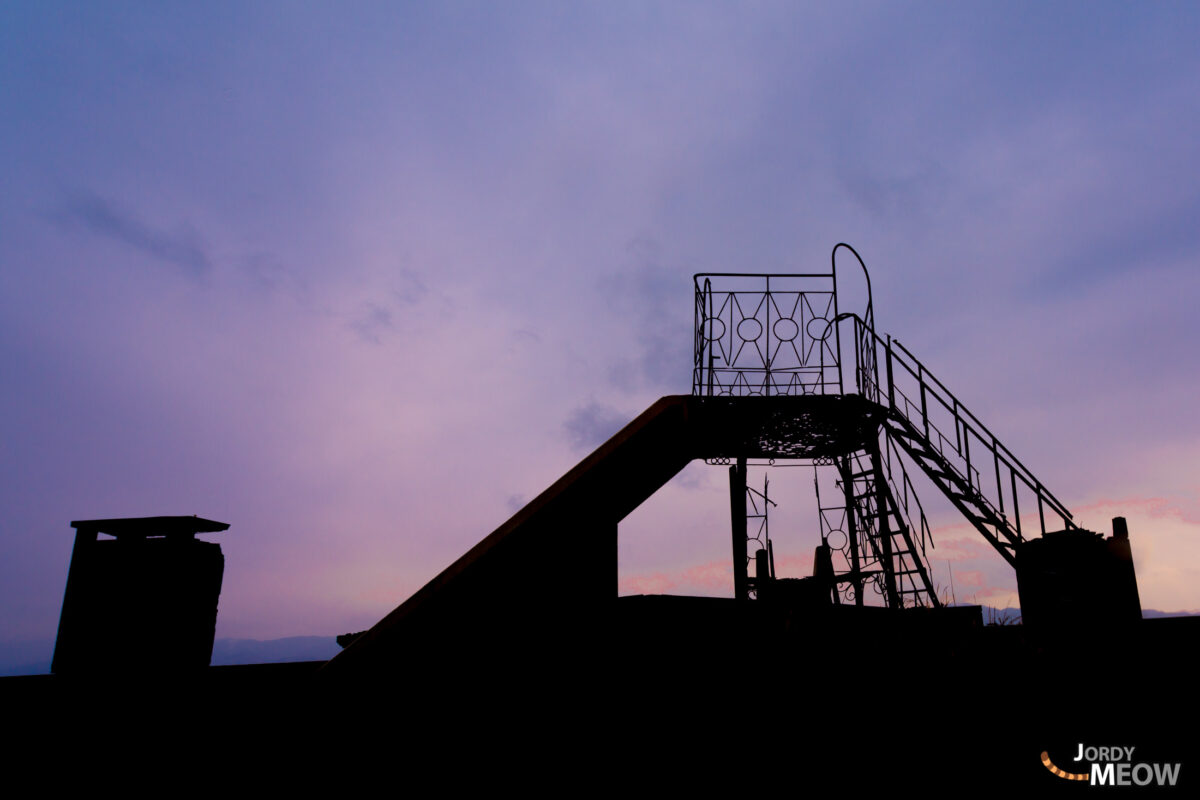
<point x="885" y="529"/>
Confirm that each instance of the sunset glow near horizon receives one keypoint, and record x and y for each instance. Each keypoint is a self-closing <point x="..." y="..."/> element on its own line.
<point x="361" y="282"/>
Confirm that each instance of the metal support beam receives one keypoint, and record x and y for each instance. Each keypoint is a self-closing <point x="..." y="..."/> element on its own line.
<point x="737" y="516"/>
<point x="844" y="469"/>
<point x="883" y="527"/>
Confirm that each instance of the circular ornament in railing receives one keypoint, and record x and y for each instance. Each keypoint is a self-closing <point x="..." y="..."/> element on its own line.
<point x="785" y="329"/>
<point x="713" y="328"/>
<point x="836" y="539"/>
<point x="749" y="329"/>
<point x="818" y="328"/>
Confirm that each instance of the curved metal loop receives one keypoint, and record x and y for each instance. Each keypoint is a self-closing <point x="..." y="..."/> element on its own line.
<point x="870" y="314"/>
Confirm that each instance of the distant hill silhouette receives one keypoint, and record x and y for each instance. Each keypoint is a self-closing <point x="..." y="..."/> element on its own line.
<point x="1150" y="613"/>
<point x="273" y="651"/>
<point x="33" y="657"/>
<point x="1012" y="616"/>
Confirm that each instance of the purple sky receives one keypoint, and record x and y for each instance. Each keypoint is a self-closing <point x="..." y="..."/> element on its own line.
<point x="360" y="282"/>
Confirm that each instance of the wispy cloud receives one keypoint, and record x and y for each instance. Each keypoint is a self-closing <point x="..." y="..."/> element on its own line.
<point x="591" y="425"/>
<point x="510" y="247"/>
<point x="182" y="248"/>
<point x="410" y="288"/>
<point x="648" y="296"/>
<point x="903" y="191"/>
<point x="266" y="273"/>
<point x="372" y="322"/>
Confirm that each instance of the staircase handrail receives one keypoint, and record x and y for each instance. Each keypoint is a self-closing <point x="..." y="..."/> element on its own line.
<point x="966" y="422"/>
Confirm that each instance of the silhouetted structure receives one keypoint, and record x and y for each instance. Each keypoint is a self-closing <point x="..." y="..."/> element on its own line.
<point x="144" y="601"/>
<point x="854" y="674"/>
<point x="780" y="371"/>
<point x="1076" y="581"/>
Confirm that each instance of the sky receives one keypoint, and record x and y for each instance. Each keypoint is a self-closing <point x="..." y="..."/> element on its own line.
<point x="360" y="279"/>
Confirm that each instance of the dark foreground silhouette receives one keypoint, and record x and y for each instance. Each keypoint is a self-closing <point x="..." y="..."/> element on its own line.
<point x="519" y="665"/>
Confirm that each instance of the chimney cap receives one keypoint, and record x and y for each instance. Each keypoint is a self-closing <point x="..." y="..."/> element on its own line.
<point x="142" y="527"/>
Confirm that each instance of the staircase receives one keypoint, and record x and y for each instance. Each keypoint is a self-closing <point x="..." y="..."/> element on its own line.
<point x="976" y="472"/>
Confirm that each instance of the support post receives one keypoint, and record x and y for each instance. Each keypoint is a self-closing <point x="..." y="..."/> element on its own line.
<point x="737" y="515"/>
<point x="843" y="465"/>
<point x="883" y="513"/>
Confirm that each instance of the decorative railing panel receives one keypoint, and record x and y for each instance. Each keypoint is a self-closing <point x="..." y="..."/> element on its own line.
<point x="766" y="335"/>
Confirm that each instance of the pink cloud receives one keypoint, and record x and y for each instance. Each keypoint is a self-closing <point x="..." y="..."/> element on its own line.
<point x="961" y="550"/>
<point x="710" y="578"/>
<point x="657" y="583"/>
<point x="793" y="566"/>
<point x="714" y="576"/>
<point x="1153" y="507"/>
<point x="970" y="577"/>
